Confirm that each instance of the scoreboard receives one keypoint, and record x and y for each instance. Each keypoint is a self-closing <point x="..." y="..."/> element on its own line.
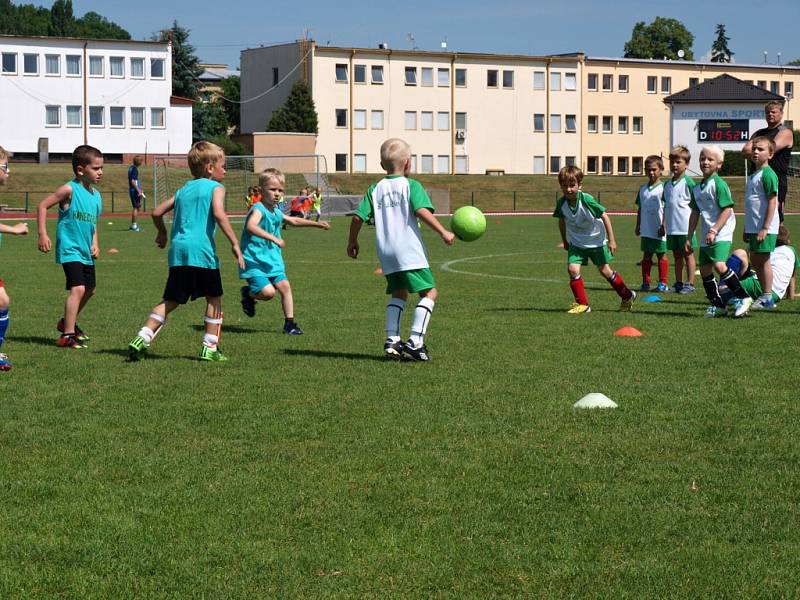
<point x="723" y="130"/>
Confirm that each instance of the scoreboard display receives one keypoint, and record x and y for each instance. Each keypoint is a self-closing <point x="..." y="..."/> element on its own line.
<point x="723" y="130"/>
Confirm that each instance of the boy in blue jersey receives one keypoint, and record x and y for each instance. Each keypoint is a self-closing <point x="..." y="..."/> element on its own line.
<point x="135" y="192"/>
<point x="193" y="262"/>
<point x="18" y="229"/>
<point x="261" y="245"/>
<point x="77" y="247"/>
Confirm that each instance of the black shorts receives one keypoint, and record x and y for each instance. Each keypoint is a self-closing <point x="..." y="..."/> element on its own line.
<point x="79" y="274"/>
<point x="184" y="283"/>
<point x="136" y="199"/>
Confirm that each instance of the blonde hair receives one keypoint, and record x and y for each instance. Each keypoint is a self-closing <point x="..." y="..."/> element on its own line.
<point x="774" y="104"/>
<point x="654" y="159"/>
<point x="570" y="173"/>
<point x="716" y="150"/>
<point x="394" y="154"/>
<point x="201" y="155"/>
<point x="680" y="152"/>
<point x="267" y="174"/>
<point x="762" y="138"/>
<point x="5" y="154"/>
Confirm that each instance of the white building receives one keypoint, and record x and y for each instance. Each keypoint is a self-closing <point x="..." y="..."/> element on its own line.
<point x="58" y="93"/>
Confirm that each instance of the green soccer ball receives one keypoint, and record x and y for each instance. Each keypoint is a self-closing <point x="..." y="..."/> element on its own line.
<point x="468" y="223"/>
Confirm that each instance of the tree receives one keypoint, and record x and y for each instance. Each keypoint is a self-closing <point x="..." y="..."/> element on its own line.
<point x="185" y="64"/>
<point x="208" y="121"/>
<point x="720" y="53"/>
<point x="59" y="21"/>
<point x="62" y="21"/>
<point x="796" y="61"/>
<point x="298" y="114"/>
<point x="94" y="26"/>
<point x="230" y="101"/>
<point x="662" y="38"/>
<point x="23" y="20"/>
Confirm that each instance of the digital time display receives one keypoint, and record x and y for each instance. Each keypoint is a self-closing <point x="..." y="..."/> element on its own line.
<point x="720" y="130"/>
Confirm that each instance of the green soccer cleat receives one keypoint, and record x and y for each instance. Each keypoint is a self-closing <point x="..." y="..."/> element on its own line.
<point x="137" y="348"/>
<point x="627" y="304"/>
<point x="208" y="354"/>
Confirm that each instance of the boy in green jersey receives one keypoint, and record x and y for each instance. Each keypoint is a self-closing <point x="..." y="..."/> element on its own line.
<point x="650" y="224"/>
<point x="199" y="207"/>
<point x="77" y="246"/>
<point x="678" y="193"/>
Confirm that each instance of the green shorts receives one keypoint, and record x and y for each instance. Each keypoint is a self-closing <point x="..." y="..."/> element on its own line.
<point x="768" y="245"/>
<point x="716" y="252"/>
<point x="416" y="280"/>
<point x="678" y="242"/>
<point x="752" y="286"/>
<point x="580" y="256"/>
<point x="653" y="245"/>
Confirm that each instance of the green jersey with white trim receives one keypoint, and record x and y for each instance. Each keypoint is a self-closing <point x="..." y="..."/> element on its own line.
<point x="677" y="210"/>
<point x="585" y="228"/>
<point x="650" y="201"/>
<point x="761" y="186"/>
<point x="711" y="197"/>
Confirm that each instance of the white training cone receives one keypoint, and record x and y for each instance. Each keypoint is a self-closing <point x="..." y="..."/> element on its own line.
<point x="595" y="400"/>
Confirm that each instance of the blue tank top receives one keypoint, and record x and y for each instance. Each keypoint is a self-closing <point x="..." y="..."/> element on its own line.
<point x="193" y="226"/>
<point x="76" y="225"/>
<point x="262" y="256"/>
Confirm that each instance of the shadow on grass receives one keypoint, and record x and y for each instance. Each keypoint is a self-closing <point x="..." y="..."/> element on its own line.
<point x="635" y="311"/>
<point x="123" y="353"/>
<point x="39" y="341"/>
<point x="232" y="329"/>
<point x="328" y="354"/>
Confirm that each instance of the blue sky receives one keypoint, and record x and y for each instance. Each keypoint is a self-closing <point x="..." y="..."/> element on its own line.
<point x="221" y="29"/>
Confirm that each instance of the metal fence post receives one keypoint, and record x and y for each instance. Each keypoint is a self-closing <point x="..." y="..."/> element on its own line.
<point x="26" y="201"/>
<point x="514" y="201"/>
<point x="472" y="198"/>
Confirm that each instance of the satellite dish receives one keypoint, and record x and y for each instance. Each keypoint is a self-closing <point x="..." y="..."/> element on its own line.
<point x="681" y="53"/>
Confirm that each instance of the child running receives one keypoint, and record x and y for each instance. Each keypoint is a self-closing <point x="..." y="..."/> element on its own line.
<point x="678" y="194"/>
<point x="650" y="224"/>
<point x="586" y="233"/>
<point x="193" y="262"/>
<point x="396" y="203"/>
<point x="263" y="268"/>
<point x="77" y="246"/>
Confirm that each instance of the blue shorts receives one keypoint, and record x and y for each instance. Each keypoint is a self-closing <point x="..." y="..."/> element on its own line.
<point x="136" y="199"/>
<point x="259" y="282"/>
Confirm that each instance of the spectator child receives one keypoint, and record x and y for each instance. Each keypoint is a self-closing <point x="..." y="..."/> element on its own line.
<point x="135" y="192"/>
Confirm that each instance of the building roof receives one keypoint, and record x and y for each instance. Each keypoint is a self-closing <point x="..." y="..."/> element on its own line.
<point x="213" y="73"/>
<point x="10" y="37"/>
<point x="723" y="88"/>
<point x="683" y="63"/>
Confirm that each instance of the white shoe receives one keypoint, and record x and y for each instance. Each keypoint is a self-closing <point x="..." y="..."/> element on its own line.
<point x="741" y="306"/>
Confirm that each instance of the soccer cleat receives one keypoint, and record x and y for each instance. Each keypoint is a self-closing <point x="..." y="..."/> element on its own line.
<point x="764" y="303"/>
<point x="662" y="287"/>
<point x="137" y="348"/>
<point x="419" y="354"/>
<point x="80" y="334"/>
<point x="5" y="364"/>
<point x="248" y="302"/>
<point x="292" y="329"/>
<point x="687" y="288"/>
<point x="393" y="349"/>
<point x="645" y="287"/>
<point x="208" y="354"/>
<point x="677" y="287"/>
<point x="715" y="311"/>
<point x="579" y="309"/>
<point x="70" y="341"/>
<point x="627" y="304"/>
<point x="741" y="306"/>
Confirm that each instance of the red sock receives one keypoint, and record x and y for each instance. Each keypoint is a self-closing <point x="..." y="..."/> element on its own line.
<point x="619" y="286"/>
<point x="647" y="265"/>
<point x="578" y="290"/>
<point x="663" y="270"/>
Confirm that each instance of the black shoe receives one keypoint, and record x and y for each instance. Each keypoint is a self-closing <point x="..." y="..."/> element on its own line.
<point x="419" y="354"/>
<point x="393" y="349"/>
<point x="248" y="302"/>
<point x="292" y="329"/>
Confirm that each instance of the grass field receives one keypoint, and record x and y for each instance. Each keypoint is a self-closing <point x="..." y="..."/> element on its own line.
<point x="309" y="467"/>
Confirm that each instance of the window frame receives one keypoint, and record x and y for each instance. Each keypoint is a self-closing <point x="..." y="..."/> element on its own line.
<point x="622" y="124"/>
<point x="154" y="110"/>
<point x="626" y="87"/>
<point x="163" y="63"/>
<point x="137" y="60"/>
<point x="541" y="125"/>
<point x="555" y="81"/>
<point x="121" y="62"/>
<point x="463" y="73"/>
<point x="540" y="75"/>
<point x="68" y="112"/>
<point x="554" y="122"/>
<point x="668" y="81"/>
<point x="47" y="113"/>
<point x="589" y="120"/>
<point x="554" y="167"/>
<point x="356" y="113"/>
<point x="336" y="157"/>
<point x="570" y="81"/>
<point x="340" y="118"/>
<point x="35" y="57"/>
<point x="442" y="71"/>
<point x="412" y="71"/>
<point x="144" y="118"/>
<point x="356" y="159"/>
<point x="94" y="111"/>
<point x="425" y="115"/>
<point x="3" y="56"/>
<point x="589" y="86"/>
<point x="641" y="125"/>
<point x="543" y="161"/>
<point x="589" y="168"/>
<point x="492" y="73"/>
<point x="426" y="77"/>
<point x="94" y="60"/>
<point x="603" y="160"/>
<point x="119" y="110"/>
<point x="654" y="80"/>
<point x="373" y="69"/>
<point x="439" y="159"/>
<point x="607" y="78"/>
<point x="372" y="116"/>
<point x="622" y="170"/>
<point x="77" y="60"/>
<point x="607" y="119"/>
<point x="406" y="116"/>
<point x="47" y="72"/>
<point x="574" y="127"/>
<point x="508" y="84"/>
<point x="338" y="70"/>
<point x="439" y="116"/>
<point x="362" y="68"/>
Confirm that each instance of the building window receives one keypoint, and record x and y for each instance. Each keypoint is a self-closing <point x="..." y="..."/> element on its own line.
<point x="52" y="64"/>
<point x="426" y="120"/>
<point x="788" y="89"/>
<point x="341" y="162"/>
<point x="443" y="164"/>
<point x="591" y="124"/>
<point x="622" y="83"/>
<point x="95" y="66"/>
<point x="569" y="161"/>
<point x="359" y="121"/>
<point x="427" y="77"/>
<point x="538" y="80"/>
<point x="622" y="165"/>
<point x="137" y="68"/>
<point x="443" y="121"/>
<point x="538" y="122"/>
<point x="411" y="75"/>
<point x="622" y="125"/>
<point x="652" y="81"/>
<point x="462" y="165"/>
<point x="73" y="65"/>
<point x="359" y="163"/>
<point x="636" y="165"/>
<point x="116" y="117"/>
<point x="276" y="76"/>
<point x="775" y="87"/>
<point x="9" y="63"/>
<point x="570" y="123"/>
<point x="607" y="165"/>
<point x="52" y="116"/>
<point x="491" y="78"/>
<point x="341" y="74"/>
<point x="570" y="82"/>
<point x="508" y="80"/>
<point x="427" y="163"/>
<point x="157" y="118"/>
<point x="747" y="81"/>
<point x="591" y="82"/>
<point x="30" y="64"/>
<point x="637" y="124"/>
<point x="137" y="117"/>
<point x="555" y="123"/>
<point x="606" y="124"/>
<point x="666" y="85"/>
<point x="377" y="74"/>
<point x="341" y="117"/>
<point x="377" y="119"/>
<point x="762" y="84"/>
<point x="693" y="81"/>
<point x="538" y="165"/>
<point x="157" y="68"/>
<point x="443" y="77"/>
<point x="413" y="163"/>
<point x="555" y="82"/>
<point x="359" y="76"/>
<point x="116" y="66"/>
<point x="410" y="119"/>
<point x="461" y="120"/>
<point x="74" y="116"/>
<point x="555" y="164"/>
<point x="96" y="116"/>
<point x="591" y="164"/>
<point x="461" y="78"/>
<point x="608" y="82"/>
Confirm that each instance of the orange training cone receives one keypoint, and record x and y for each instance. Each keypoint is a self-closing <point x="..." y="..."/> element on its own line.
<point x="378" y="271"/>
<point x="628" y="331"/>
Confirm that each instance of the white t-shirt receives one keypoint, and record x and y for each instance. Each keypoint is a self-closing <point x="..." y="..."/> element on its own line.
<point x="761" y="186"/>
<point x="650" y="201"/>
<point x="711" y="197"/>
<point x="677" y="196"/>
<point x="585" y="228"/>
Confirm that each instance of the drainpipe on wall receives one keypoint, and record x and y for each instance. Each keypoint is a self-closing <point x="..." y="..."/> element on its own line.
<point x="547" y="116"/>
<point x="350" y="115"/>
<point x="453" y="114"/>
<point x="85" y="95"/>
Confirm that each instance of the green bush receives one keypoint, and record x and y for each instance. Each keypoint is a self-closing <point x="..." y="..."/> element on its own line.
<point x="734" y="164"/>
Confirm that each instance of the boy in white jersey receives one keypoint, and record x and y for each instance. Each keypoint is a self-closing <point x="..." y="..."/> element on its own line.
<point x="712" y="206"/>
<point x="650" y="224"/>
<point x="678" y="193"/>
<point x="761" y="216"/>
<point x="395" y="203"/>
<point x="261" y="245"/>
<point x="586" y="233"/>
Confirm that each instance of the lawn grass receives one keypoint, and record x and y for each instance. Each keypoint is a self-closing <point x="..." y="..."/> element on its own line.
<point x="309" y="467"/>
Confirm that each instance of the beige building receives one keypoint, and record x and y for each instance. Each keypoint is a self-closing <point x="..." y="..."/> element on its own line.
<point x="477" y="113"/>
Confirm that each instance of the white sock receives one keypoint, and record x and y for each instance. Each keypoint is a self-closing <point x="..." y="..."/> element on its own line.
<point x="394" y="312"/>
<point x="147" y="334"/>
<point x="419" y="324"/>
<point x="210" y="340"/>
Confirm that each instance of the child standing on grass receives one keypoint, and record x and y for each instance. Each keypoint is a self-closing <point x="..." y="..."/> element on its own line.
<point x="135" y="192"/>
<point x="193" y="262"/>
<point x="77" y="246"/>
<point x="761" y="219"/>
<point x="18" y="229"/>
<point x="264" y="268"/>
<point x="396" y="202"/>
<point x="316" y="205"/>
<point x="586" y="233"/>
<point x="712" y="206"/>
<point x="650" y="224"/>
<point x="678" y="194"/>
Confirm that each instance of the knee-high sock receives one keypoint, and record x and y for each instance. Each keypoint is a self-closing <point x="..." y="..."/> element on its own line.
<point x="647" y="265"/>
<point x="619" y="286"/>
<point x="731" y="279"/>
<point x="419" y="324"/>
<point x="578" y="290"/>
<point x="4" y="319"/>
<point x="663" y="270"/>
<point x="712" y="291"/>
<point x="394" y="312"/>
